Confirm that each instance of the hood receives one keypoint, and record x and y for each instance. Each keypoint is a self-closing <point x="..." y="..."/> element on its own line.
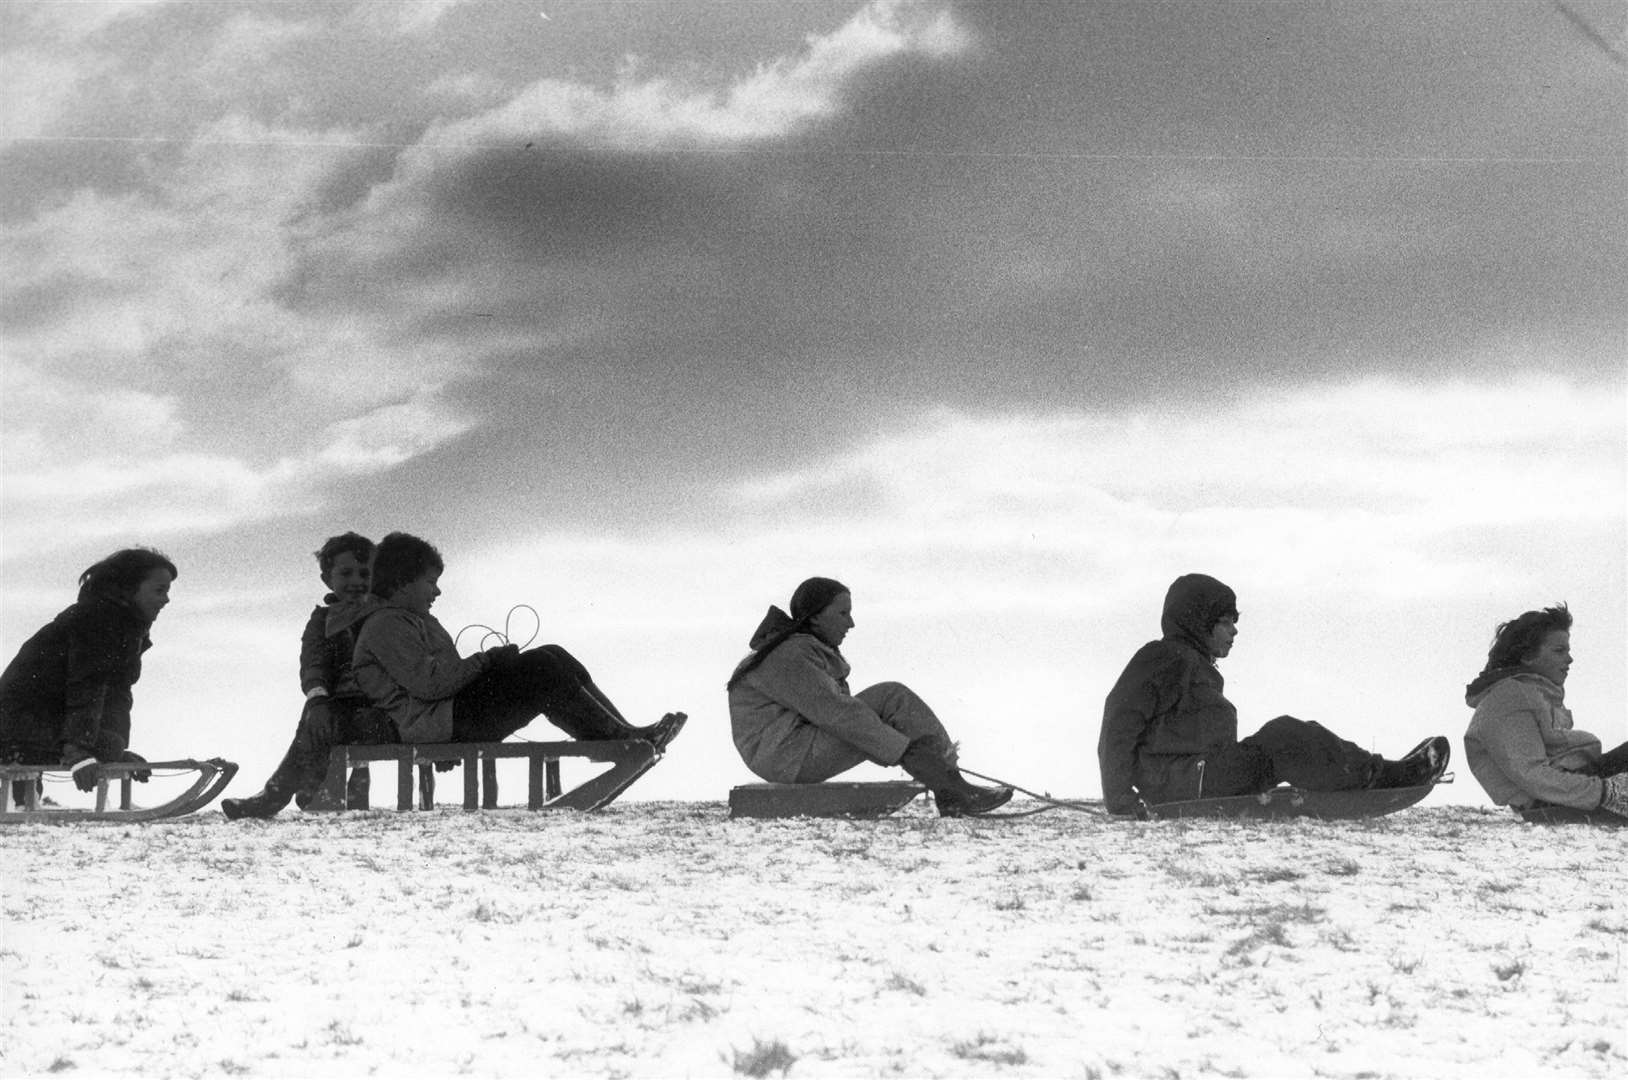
<point x="775" y="623"/>
<point x="346" y="614"/>
<point x="1482" y="684"/>
<point x="1192" y="607"/>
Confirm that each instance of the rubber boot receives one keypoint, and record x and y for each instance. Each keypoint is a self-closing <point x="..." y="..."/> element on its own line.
<point x="265" y="803"/>
<point x="927" y="759"/>
<point x="1422" y="765"/>
<point x="356" y="789"/>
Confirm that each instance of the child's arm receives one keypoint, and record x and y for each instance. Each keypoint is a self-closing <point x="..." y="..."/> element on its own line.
<point x="416" y="655"/>
<point x="316" y="676"/>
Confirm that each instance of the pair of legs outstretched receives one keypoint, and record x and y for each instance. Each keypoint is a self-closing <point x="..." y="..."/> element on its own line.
<point x="1302" y="753"/>
<point x="930" y="757"/>
<point x="546" y="681"/>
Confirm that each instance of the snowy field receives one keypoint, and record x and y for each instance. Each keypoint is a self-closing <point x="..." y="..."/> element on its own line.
<point x="662" y="939"/>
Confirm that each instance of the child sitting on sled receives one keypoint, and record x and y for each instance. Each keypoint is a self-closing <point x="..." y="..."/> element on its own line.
<point x="795" y="721"/>
<point x="336" y="711"/>
<point x="1521" y="744"/>
<point x="65" y="698"/>
<point x="408" y="665"/>
<point x="1169" y="735"/>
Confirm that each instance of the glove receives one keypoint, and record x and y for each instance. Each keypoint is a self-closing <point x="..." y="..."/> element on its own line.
<point x="83" y="764"/>
<point x="502" y="656"/>
<point x="1615" y="799"/>
<point x="140" y="776"/>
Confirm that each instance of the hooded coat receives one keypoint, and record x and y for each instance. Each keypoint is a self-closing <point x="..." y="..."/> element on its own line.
<point x="1521" y="744"/>
<point x="1167" y="711"/>
<point x="793" y="692"/>
<point x="71" y="682"/>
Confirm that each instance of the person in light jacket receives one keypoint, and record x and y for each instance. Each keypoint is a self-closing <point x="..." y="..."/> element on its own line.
<point x="796" y="722"/>
<point x="1521" y="743"/>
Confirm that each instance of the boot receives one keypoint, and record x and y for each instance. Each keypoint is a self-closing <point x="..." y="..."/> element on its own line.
<point x="927" y="759"/>
<point x="263" y="804"/>
<point x="1422" y="765"/>
<point x="356" y="789"/>
<point x="664" y="731"/>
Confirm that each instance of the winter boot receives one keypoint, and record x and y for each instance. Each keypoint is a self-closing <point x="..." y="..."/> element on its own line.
<point x="1422" y="765"/>
<point x="356" y="788"/>
<point x="664" y="731"/>
<point x="263" y="804"/>
<point x="927" y="759"/>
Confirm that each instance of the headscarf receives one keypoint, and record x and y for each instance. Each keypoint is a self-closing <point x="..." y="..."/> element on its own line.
<point x="1192" y="606"/>
<point x="808" y="600"/>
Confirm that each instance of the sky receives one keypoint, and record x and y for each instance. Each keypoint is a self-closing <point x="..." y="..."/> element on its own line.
<point x="1005" y="314"/>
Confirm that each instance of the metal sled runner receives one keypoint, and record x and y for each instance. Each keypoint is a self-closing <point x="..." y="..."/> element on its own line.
<point x="213" y="776"/>
<point x="629" y="758"/>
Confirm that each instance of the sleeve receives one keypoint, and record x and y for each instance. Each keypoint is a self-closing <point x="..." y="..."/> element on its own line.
<point x="1128" y="713"/>
<point x="410" y="654"/>
<point x="793" y="677"/>
<point x="314" y="655"/>
<point x="93" y="689"/>
<point x="1511" y="738"/>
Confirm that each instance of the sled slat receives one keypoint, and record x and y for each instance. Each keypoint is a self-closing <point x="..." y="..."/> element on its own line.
<point x="830" y="799"/>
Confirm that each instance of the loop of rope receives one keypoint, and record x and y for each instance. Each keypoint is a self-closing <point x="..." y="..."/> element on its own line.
<point x="506" y="635"/>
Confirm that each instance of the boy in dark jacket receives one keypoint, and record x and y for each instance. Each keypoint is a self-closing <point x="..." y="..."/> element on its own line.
<point x="336" y="711"/>
<point x="1169" y="734"/>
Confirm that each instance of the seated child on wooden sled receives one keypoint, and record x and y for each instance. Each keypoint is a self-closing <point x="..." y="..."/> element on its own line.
<point x="65" y="698"/>
<point x="336" y="711"/>
<point x="1521" y="744"/>
<point x="408" y="665"/>
<point x="795" y="722"/>
<point x="1168" y="734"/>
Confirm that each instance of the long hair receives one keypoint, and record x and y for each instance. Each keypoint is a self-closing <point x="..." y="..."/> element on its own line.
<point x="121" y="573"/>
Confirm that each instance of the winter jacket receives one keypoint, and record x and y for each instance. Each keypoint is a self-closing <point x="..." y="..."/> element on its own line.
<point x="1522" y="747"/>
<point x="71" y="682"/>
<point x="799" y="689"/>
<point x="408" y="665"/>
<point x="1167" y="711"/>
<point x="327" y="645"/>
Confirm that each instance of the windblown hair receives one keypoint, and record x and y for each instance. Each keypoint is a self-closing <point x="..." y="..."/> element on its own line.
<point x="811" y="597"/>
<point x="1521" y="636"/>
<point x="335" y="546"/>
<point x="121" y="573"/>
<point x="402" y="558"/>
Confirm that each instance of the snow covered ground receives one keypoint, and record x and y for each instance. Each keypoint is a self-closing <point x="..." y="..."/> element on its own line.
<point x="663" y="939"/>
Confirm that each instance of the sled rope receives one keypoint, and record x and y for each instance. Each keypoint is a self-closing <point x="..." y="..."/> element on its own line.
<point x="506" y="635"/>
<point x="1050" y="803"/>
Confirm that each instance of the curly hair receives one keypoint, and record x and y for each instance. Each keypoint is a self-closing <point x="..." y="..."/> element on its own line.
<point x="335" y="546"/>
<point x="402" y="558"/>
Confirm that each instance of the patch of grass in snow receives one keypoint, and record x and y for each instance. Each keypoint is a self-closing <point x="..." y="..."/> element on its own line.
<point x="896" y="981"/>
<point x="1509" y="969"/>
<point x="1342" y="868"/>
<point x="61" y="1064"/>
<point x="986" y="1047"/>
<point x="763" y="1058"/>
<point x="1014" y="902"/>
<point x="1081" y="891"/>
<point x="1277" y="873"/>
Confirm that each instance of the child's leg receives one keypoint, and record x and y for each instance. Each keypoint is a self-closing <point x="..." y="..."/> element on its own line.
<point x="547" y="681"/>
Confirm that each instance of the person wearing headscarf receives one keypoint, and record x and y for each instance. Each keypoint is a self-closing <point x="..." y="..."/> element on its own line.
<point x="796" y="722"/>
<point x="1521" y="744"/>
<point x="1169" y="734"/>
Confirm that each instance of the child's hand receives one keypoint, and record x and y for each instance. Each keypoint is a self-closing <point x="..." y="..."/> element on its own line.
<point x="83" y="764"/>
<point x="140" y="776"/>
<point x="502" y="656"/>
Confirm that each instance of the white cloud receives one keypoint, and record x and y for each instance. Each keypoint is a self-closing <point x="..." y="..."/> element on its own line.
<point x="773" y="101"/>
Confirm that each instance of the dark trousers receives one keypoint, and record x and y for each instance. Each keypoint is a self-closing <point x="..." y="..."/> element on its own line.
<point x="545" y="681"/>
<point x="324" y="724"/>
<point x="1286" y="750"/>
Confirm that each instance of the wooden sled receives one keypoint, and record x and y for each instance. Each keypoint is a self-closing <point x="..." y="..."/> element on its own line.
<point x="1292" y="802"/>
<point x="213" y="776"/>
<point x="839" y="800"/>
<point x="629" y="758"/>
<point x="1566" y="815"/>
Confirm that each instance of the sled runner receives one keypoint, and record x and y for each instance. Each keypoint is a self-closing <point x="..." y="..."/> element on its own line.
<point x="839" y="799"/>
<point x="1292" y="802"/>
<point x="629" y="758"/>
<point x="1565" y="815"/>
<point x="213" y="776"/>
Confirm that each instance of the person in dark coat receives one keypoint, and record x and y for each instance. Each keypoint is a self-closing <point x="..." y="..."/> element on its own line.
<point x="66" y="696"/>
<point x="796" y="722"/>
<point x="1169" y="734"/>
<point x="336" y="711"/>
